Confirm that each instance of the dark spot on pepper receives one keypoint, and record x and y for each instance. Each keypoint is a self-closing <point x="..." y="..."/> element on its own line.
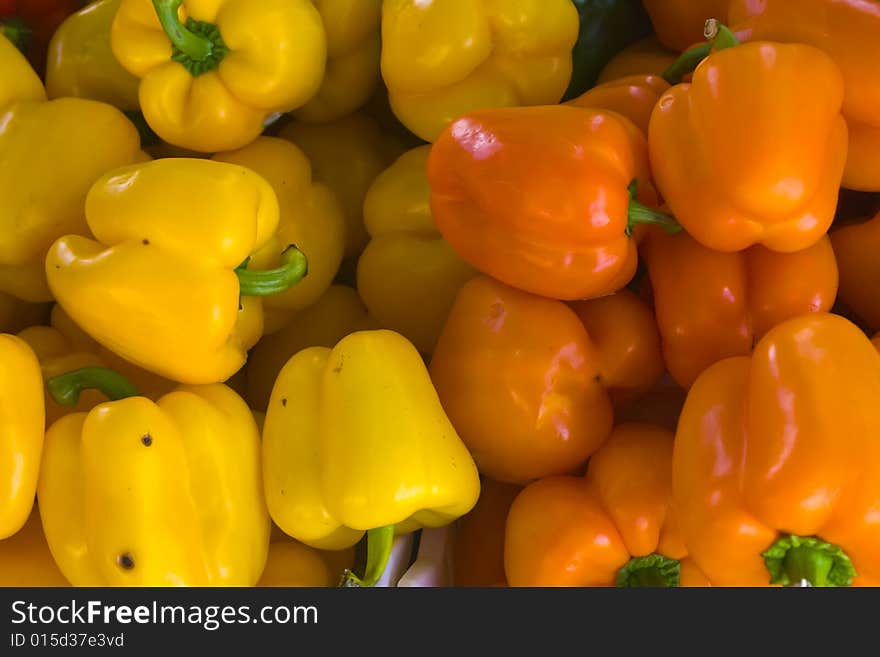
<point x="598" y="378"/>
<point x="147" y="440"/>
<point x="125" y="561"/>
<point x="57" y="266"/>
<point x="145" y="242"/>
<point x="284" y="401"/>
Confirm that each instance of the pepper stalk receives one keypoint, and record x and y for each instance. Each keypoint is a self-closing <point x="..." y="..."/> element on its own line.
<point x="379" y="541"/>
<point x="66" y="388"/>
<point x="718" y="37"/>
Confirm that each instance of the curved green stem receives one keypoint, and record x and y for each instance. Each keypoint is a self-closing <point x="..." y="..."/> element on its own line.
<point x="718" y="37"/>
<point x="379" y="542"/>
<point x="642" y="214"/>
<point x="808" y="561"/>
<point x="18" y="32"/>
<point x="66" y="388"/>
<point x="654" y="570"/>
<point x="198" y="46"/>
<point x="686" y="63"/>
<point x="294" y="267"/>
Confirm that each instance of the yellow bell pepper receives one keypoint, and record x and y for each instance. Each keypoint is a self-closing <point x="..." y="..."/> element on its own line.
<point x="408" y="276"/>
<point x="337" y="313"/>
<point x="164" y="283"/>
<point x="52" y="152"/>
<point x="143" y="493"/>
<point x="16" y="315"/>
<point x="352" y="72"/>
<point x="81" y="63"/>
<point x="22" y="422"/>
<point x="346" y="155"/>
<point x="212" y="72"/>
<point x="291" y="563"/>
<point x="310" y="217"/>
<point x="25" y="559"/>
<point x="356" y="441"/>
<point x="443" y="59"/>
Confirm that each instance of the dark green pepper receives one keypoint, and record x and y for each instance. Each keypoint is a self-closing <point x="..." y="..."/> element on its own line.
<point x="606" y="28"/>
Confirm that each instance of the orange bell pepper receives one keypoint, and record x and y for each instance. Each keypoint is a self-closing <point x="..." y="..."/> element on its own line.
<point x="712" y="305"/>
<point x="479" y="537"/>
<point x="847" y="31"/>
<point x="752" y="150"/>
<point x="627" y="344"/>
<point x="644" y="57"/>
<point x="776" y="469"/>
<point x="633" y="96"/>
<point x="679" y="23"/>
<point x="526" y="384"/>
<point x="600" y="529"/>
<point x="539" y="197"/>
<point x="856" y="247"/>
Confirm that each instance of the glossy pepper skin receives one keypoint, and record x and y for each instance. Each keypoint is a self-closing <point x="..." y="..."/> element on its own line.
<point x="407" y="261"/>
<point x="213" y="93"/>
<point x="538" y="197"/>
<point x="165" y="493"/>
<point x="81" y="63"/>
<point x="52" y="152"/>
<point x="444" y="59"/>
<point x="337" y="313"/>
<point x="25" y="559"/>
<point x="355" y="439"/>
<point x="634" y="97"/>
<point x="30" y="24"/>
<point x="752" y="151"/>
<point x="22" y="414"/>
<point x="310" y="217"/>
<point x="855" y="247"/>
<point x="600" y="529"/>
<point x="712" y="305"/>
<point x="353" y="50"/>
<point x="523" y="382"/>
<point x="479" y="537"/>
<point x="158" y="285"/>
<point x="783" y="443"/>
<point x="644" y="57"/>
<point x="606" y="27"/>
<point x="359" y="142"/>
<point x="847" y="31"/>
<point x="679" y="23"/>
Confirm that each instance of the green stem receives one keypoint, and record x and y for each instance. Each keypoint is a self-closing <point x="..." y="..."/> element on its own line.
<point x="808" y="561"/>
<point x="66" y="388"/>
<point x="379" y="542"/>
<point x="18" y="32"/>
<point x="686" y="63"/>
<point x="718" y="36"/>
<point x="655" y="570"/>
<point x="642" y="214"/>
<point x="198" y="46"/>
<point x="294" y="267"/>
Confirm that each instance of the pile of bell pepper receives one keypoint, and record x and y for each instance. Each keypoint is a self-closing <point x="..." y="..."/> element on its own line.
<point x="593" y="283"/>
